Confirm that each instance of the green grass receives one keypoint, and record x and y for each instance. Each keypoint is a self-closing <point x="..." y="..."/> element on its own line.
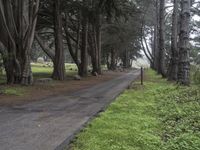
<point x="39" y="71"/>
<point x="16" y="91"/>
<point x="158" y="116"/>
<point x="45" y="71"/>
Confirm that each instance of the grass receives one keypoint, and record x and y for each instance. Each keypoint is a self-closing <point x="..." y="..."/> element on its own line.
<point x="39" y="71"/>
<point x="45" y="71"/>
<point x="158" y="116"/>
<point x="16" y="91"/>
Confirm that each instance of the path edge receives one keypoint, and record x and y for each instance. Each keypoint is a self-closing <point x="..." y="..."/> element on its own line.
<point x="65" y="145"/>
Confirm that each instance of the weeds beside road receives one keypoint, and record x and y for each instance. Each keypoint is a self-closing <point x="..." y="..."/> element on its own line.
<point x="157" y="116"/>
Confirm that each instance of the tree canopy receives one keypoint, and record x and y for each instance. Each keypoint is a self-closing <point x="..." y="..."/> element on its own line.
<point x="99" y="32"/>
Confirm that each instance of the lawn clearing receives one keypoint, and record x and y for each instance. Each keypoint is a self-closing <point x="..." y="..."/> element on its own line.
<point x="44" y="71"/>
<point x="39" y="71"/>
<point x="158" y="116"/>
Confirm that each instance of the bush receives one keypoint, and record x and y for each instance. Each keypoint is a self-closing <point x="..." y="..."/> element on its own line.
<point x="196" y="76"/>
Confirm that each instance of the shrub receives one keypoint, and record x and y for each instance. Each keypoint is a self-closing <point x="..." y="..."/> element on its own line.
<point x="196" y="76"/>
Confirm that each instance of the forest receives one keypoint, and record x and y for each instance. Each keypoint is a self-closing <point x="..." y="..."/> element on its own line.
<point x="99" y="33"/>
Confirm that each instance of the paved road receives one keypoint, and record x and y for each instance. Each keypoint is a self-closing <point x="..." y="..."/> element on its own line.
<point x="52" y="123"/>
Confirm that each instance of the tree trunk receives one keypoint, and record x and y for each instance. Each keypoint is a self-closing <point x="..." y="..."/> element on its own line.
<point x="113" y="59"/>
<point x="27" y="76"/>
<point x="9" y="70"/>
<point x="96" y="38"/>
<point x="107" y="61"/>
<point x="9" y="42"/>
<point x="184" y="62"/>
<point x="19" y="21"/>
<point x="126" y="59"/>
<point x="156" y="39"/>
<point x="74" y="52"/>
<point x="29" y="14"/>
<point x="84" y="48"/>
<point x="47" y="50"/>
<point x="145" y="52"/>
<point x="173" y="68"/>
<point x="59" y="62"/>
<point x="161" y="68"/>
<point x="93" y="49"/>
<point x="98" y="35"/>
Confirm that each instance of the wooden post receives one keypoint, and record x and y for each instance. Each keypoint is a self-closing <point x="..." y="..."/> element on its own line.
<point x="142" y="76"/>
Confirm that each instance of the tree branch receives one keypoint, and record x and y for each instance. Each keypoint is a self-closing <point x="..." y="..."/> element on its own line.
<point x="148" y="50"/>
<point x="151" y="61"/>
<point x="44" y="47"/>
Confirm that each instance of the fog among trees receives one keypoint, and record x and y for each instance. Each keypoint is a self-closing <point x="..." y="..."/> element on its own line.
<point x="99" y="33"/>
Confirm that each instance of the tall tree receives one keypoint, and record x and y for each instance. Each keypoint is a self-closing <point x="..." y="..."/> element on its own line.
<point x="184" y="58"/>
<point x="161" y="68"/>
<point x="84" y="44"/>
<point x="17" y="28"/>
<point x="59" y="61"/>
<point x="156" y="35"/>
<point x="173" y="68"/>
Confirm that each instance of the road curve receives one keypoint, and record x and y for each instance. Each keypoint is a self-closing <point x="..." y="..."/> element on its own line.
<point x="53" y="122"/>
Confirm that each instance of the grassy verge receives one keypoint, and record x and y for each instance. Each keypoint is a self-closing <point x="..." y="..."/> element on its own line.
<point x="158" y="116"/>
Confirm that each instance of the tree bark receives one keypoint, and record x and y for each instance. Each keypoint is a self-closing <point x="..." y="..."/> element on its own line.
<point x="29" y="13"/>
<point x="156" y="35"/>
<point x="161" y="68"/>
<point x="184" y="62"/>
<point x="92" y="40"/>
<point x="59" y="62"/>
<point x="113" y="60"/>
<point x="74" y="51"/>
<point x="84" y="48"/>
<point x="98" y="35"/>
<point x="126" y="59"/>
<point x="173" y="68"/>
<point x="96" y="38"/>
<point x="19" y="20"/>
